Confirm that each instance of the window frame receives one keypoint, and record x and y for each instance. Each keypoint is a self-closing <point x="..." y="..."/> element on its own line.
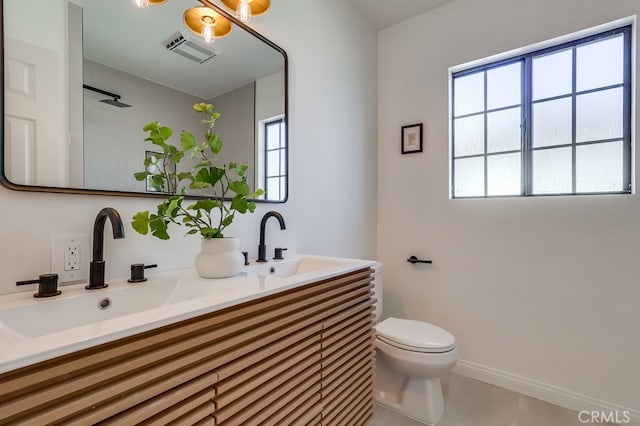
<point x="282" y="147"/>
<point x="526" y="104"/>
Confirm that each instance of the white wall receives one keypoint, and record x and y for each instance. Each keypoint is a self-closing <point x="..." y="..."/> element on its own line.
<point x="235" y="126"/>
<point x="75" y="98"/>
<point x="332" y="110"/>
<point x="113" y="136"/>
<point x="543" y="291"/>
<point x="331" y="208"/>
<point x="269" y="105"/>
<point x="269" y="96"/>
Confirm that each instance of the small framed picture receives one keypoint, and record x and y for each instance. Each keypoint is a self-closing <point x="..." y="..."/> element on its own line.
<point x="412" y="138"/>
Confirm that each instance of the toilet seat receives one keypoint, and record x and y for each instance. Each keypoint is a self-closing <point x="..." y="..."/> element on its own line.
<point x="416" y="336"/>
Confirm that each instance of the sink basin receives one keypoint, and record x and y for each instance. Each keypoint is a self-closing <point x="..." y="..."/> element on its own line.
<point x="298" y="265"/>
<point x="77" y="307"/>
<point x="32" y="329"/>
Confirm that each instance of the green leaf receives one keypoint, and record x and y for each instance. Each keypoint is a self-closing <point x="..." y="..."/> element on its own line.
<point x="203" y="176"/>
<point x="185" y="175"/>
<point x="141" y="222"/>
<point x="240" y="188"/>
<point x="148" y="161"/>
<point x="177" y="157"/>
<point x="157" y="140"/>
<point x="258" y="192"/>
<point x="164" y="132"/>
<point x="240" y="204"/>
<point x="215" y="143"/>
<point x="202" y="107"/>
<point x="158" y="228"/>
<point x="140" y="176"/>
<point x="173" y="207"/>
<point x="162" y="208"/>
<point x="159" y="136"/>
<point x="157" y="183"/>
<point x="206" y="205"/>
<point x="210" y="175"/>
<point x="208" y="232"/>
<point x="217" y="173"/>
<point x="251" y="206"/>
<point x="151" y="126"/>
<point x="198" y="185"/>
<point x="227" y="220"/>
<point x="242" y="169"/>
<point x="188" y="140"/>
<point x="215" y="233"/>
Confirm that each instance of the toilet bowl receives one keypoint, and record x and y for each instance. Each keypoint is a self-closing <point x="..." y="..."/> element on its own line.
<point x="411" y="357"/>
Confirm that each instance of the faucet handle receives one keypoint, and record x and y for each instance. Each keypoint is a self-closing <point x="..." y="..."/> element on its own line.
<point x="277" y="255"/>
<point x="47" y="285"/>
<point x="137" y="272"/>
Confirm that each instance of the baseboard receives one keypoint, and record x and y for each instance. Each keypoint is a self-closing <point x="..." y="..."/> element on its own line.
<point x="545" y="392"/>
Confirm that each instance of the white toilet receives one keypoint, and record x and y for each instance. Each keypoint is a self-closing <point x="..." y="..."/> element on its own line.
<point x="411" y="356"/>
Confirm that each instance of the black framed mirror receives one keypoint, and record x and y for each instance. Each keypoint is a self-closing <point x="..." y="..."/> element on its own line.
<point x="82" y="77"/>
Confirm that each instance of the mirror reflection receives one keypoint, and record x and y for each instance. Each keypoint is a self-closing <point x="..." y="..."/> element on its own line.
<point x="82" y="77"/>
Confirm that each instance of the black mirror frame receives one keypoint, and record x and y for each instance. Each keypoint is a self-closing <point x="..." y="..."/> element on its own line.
<point x="5" y="182"/>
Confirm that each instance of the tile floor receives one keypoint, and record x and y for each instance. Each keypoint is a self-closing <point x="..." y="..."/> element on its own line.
<point x="470" y="402"/>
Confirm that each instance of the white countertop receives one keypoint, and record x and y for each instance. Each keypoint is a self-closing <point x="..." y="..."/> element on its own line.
<point x="55" y="325"/>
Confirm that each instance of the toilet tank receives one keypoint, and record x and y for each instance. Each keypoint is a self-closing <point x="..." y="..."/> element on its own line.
<point x="377" y="288"/>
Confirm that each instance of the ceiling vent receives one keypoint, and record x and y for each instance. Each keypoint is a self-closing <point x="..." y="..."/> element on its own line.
<point x="190" y="49"/>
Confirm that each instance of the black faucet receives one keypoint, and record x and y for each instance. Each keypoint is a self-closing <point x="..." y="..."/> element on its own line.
<point x="262" y="248"/>
<point x="96" y="267"/>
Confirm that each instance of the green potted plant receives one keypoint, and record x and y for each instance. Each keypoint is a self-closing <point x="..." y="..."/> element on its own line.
<point x="225" y="185"/>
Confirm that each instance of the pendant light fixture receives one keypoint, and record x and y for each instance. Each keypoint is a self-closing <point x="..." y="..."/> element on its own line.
<point x="245" y="9"/>
<point x="144" y="3"/>
<point x="207" y="23"/>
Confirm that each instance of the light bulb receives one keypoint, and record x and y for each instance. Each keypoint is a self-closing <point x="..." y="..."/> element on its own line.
<point x="208" y="33"/>
<point x="142" y="3"/>
<point x="244" y="10"/>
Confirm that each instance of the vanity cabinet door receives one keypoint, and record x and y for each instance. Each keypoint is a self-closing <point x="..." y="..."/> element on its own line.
<point x="348" y="362"/>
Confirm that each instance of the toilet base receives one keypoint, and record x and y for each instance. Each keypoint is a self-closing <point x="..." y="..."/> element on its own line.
<point x="420" y="399"/>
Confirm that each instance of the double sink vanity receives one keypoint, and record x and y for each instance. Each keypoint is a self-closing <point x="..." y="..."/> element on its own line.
<point x="287" y="341"/>
<point x="284" y="342"/>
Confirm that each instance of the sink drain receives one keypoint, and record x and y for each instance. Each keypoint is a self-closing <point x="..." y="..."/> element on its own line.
<point x="104" y="303"/>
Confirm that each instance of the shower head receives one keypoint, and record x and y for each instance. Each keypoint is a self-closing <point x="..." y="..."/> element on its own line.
<point x="115" y="102"/>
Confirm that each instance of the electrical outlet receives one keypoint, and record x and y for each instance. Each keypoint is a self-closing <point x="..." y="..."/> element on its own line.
<point x="72" y="256"/>
<point x="69" y="257"/>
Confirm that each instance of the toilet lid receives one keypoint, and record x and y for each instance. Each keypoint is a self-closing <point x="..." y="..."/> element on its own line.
<point x="416" y="334"/>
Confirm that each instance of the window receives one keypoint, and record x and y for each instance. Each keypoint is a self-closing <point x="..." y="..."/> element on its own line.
<point x="553" y="121"/>
<point x="275" y="160"/>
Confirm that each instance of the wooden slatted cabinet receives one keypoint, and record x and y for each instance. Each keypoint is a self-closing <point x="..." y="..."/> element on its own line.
<point x="303" y="356"/>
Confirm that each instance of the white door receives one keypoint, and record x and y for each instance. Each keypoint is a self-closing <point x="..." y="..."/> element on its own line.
<point x="35" y="146"/>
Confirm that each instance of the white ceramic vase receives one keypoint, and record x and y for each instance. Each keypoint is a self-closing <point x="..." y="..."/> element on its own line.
<point x="219" y="258"/>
